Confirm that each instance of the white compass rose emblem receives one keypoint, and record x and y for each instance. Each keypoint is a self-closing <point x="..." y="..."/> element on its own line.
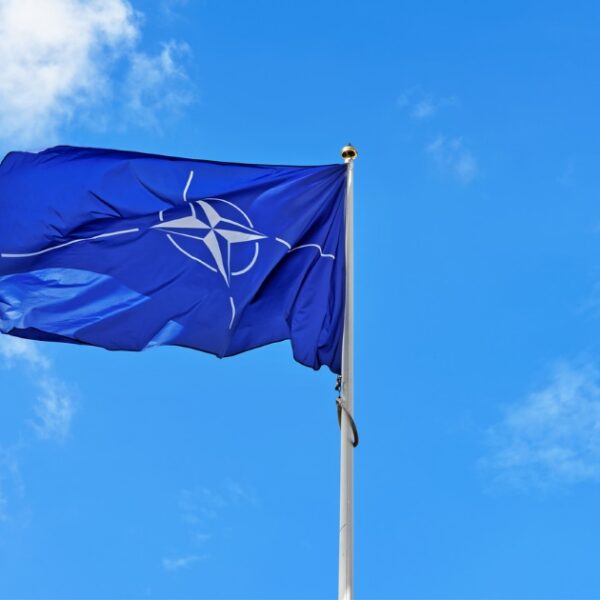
<point x="206" y="230"/>
<point x="216" y="234"/>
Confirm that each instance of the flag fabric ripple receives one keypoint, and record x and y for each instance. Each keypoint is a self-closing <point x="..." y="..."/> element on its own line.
<point x="125" y="250"/>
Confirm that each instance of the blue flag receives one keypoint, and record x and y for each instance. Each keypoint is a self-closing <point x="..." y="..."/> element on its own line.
<point x="126" y="251"/>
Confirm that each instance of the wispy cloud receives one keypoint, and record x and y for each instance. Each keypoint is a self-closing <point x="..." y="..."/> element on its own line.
<point x="172" y="9"/>
<point x="53" y="411"/>
<point x="450" y="154"/>
<point x="237" y="493"/>
<point x="11" y="481"/>
<point x="54" y="407"/>
<point x="58" y="65"/>
<point x="157" y="85"/>
<point x="203" y="511"/>
<point x="199" y="504"/>
<point x="567" y="177"/>
<point x="177" y="563"/>
<point x="552" y="437"/>
<point x="14" y="349"/>
<point x="3" y="507"/>
<point x="420" y="104"/>
<point x="590" y="304"/>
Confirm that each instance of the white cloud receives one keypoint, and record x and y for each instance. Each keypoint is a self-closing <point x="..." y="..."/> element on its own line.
<point x="54" y="410"/>
<point x="11" y="483"/>
<point x="57" y="58"/>
<point x="567" y="177"/>
<point x="591" y="304"/>
<point x="200" y="504"/>
<point x="171" y="9"/>
<point x="13" y="349"/>
<point x="423" y="109"/>
<point x="451" y="154"/>
<point x="422" y="105"/>
<point x="3" y="507"/>
<point x="203" y="511"/>
<point x="176" y="563"/>
<point x="54" y="54"/>
<point x="158" y="83"/>
<point x="553" y="436"/>
<point x="54" y="407"/>
<point x="238" y="493"/>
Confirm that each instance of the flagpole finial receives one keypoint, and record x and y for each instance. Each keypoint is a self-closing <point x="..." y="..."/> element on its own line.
<point x="349" y="153"/>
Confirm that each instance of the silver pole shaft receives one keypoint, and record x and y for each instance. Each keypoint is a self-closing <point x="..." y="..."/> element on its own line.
<point x="346" y="558"/>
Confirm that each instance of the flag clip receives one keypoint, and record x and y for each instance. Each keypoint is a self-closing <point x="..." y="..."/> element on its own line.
<point x="338" y="384"/>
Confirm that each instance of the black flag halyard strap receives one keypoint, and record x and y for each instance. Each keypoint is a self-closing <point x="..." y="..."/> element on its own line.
<point x="340" y="407"/>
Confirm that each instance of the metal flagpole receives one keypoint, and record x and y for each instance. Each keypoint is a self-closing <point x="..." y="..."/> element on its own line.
<point x="346" y="558"/>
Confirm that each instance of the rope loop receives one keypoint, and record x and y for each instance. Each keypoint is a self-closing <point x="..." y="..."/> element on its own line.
<point x="340" y="407"/>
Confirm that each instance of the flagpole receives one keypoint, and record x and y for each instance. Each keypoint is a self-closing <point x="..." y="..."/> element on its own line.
<point x="346" y="549"/>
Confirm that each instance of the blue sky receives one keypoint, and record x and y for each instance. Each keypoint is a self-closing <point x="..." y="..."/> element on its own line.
<point x="171" y="474"/>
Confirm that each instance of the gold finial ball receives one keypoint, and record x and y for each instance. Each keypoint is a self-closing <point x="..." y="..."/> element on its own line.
<point x="349" y="152"/>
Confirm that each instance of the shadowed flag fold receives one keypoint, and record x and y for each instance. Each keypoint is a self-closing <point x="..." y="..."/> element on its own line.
<point x="125" y="251"/>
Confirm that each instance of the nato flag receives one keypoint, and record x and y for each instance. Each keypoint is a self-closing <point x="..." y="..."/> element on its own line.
<point x="126" y="251"/>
